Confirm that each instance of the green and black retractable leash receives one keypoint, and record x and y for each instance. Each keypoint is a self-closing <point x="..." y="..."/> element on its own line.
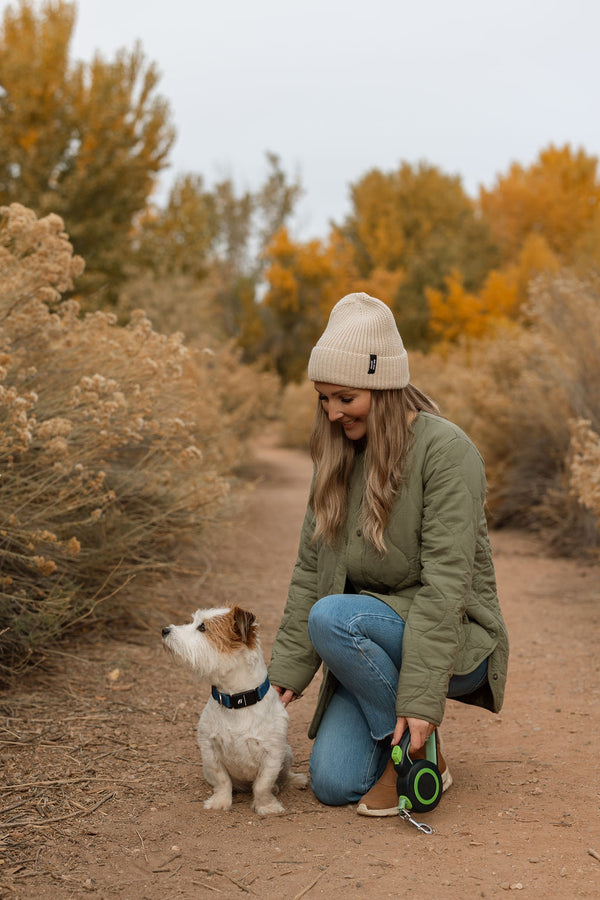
<point x="419" y="781"/>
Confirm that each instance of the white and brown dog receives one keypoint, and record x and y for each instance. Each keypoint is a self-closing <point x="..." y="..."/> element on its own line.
<point x="242" y="732"/>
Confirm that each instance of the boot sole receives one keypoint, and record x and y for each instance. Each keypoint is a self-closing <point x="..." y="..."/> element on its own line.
<point x="363" y="810"/>
<point x="447" y="779"/>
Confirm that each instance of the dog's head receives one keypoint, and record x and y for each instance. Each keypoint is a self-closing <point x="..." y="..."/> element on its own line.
<point x="213" y="636"/>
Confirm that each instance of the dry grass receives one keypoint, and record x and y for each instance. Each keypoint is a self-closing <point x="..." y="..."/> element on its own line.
<point x="117" y="444"/>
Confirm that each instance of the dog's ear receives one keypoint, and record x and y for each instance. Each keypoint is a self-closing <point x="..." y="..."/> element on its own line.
<point x="244" y="620"/>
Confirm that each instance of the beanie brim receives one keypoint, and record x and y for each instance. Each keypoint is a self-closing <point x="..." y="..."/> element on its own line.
<point x="358" y="370"/>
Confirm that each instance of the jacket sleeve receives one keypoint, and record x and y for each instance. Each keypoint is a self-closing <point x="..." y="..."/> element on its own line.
<point x="453" y="498"/>
<point x="294" y="660"/>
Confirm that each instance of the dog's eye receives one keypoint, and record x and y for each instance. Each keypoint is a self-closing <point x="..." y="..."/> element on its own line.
<point x="201" y="627"/>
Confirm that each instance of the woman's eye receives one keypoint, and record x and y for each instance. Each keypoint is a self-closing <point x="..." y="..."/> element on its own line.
<point x="347" y="399"/>
<point x="201" y="627"/>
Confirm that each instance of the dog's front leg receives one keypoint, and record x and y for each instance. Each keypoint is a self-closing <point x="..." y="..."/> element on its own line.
<point x="217" y="776"/>
<point x="265" y="803"/>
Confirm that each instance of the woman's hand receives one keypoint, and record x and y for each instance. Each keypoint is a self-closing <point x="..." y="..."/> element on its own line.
<point x="285" y="695"/>
<point x="419" y="731"/>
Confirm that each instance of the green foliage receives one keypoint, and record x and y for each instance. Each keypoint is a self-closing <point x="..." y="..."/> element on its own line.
<point x="219" y="236"/>
<point x="178" y="239"/>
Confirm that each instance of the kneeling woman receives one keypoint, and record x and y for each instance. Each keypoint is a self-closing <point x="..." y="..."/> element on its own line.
<point x="394" y="588"/>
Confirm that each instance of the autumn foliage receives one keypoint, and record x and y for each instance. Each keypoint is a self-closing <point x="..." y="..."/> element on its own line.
<point x="130" y="388"/>
<point x="84" y="141"/>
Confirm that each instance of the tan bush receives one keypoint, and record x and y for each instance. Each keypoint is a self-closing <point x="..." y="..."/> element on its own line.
<point x="515" y="393"/>
<point x="585" y="465"/>
<point x="117" y="444"/>
<point x="297" y="411"/>
<point x="177" y="303"/>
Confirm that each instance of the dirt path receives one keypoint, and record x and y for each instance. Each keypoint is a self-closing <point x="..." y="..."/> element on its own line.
<point x="101" y="791"/>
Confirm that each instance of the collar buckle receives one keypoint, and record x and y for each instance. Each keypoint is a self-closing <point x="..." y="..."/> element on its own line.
<point x="244" y="698"/>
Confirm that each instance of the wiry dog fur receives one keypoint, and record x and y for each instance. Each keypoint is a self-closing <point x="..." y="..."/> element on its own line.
<point x="241" y="748"/>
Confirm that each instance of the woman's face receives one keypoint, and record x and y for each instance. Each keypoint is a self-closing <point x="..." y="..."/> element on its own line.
<point x="349" y="407"/>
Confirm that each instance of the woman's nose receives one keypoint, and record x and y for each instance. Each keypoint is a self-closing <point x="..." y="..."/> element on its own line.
<point x="334" y="412"/>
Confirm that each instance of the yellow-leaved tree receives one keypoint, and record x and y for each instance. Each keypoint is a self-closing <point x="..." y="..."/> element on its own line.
<point x="556" y="198"/>
<point x="84" y="141"/>
<point x="302" y="287"/>
<point x="416" y="226"/>
<point x="544" y="218"/>
<point x="456" y="313"/>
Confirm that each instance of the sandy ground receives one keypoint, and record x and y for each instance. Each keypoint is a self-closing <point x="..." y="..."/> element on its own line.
<point x="101" y="786"/>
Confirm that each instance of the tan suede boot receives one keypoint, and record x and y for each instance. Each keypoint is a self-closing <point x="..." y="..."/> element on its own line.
<point x="382" y="798"/>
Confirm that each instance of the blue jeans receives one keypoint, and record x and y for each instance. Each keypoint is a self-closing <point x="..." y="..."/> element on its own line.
<point x="360" y="640"/>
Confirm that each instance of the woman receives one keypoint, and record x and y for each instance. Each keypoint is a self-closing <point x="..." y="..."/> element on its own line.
<point x="394" y="587"/>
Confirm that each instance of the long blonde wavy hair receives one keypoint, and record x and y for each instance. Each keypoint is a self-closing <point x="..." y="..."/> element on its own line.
<point x="386" y="444"/>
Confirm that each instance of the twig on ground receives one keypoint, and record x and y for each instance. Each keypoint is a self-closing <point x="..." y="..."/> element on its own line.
<point x="310" y="886"/>
<point x="143" y="846"/>
<point x="14" y="806"/>
<point x="594" y="854"/>
<point x="29" y="784"/>
<point x="220" y="872"/>
<point x="163" y="866"/>
<point x="43" y="822"/>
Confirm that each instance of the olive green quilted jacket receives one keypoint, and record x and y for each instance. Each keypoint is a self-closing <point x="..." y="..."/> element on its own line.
<point x="438" y="575"/>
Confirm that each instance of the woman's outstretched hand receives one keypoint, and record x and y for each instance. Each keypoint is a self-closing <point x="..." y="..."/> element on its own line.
<point x="285" y="695"/>
<point x="419" y="731"/>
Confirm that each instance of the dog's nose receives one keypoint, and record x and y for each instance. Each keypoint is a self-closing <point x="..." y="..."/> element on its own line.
<point x="166" y="630"/>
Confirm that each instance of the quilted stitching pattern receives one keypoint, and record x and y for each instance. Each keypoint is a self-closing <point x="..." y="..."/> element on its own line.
<point x="438" y="575"/>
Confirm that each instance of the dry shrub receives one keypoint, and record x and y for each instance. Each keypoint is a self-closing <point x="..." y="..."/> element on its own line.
<point x="117" y="444"/>
<point x="516" y="394"/>
<point x="585" y="465"/>
<point x="175" y="303"/>
<point x="296" y="414"/>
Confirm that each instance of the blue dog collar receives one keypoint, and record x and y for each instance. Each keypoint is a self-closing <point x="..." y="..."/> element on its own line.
<point x="243" y="699"/>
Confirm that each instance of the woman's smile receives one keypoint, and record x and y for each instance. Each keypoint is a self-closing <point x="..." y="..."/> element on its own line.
<point x="348" y="407"/>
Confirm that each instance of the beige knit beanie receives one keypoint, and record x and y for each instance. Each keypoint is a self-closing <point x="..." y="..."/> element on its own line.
<point x="361" y="347"/>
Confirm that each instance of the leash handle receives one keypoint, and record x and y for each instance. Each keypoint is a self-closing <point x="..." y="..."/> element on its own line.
<point x="418" y="782"/>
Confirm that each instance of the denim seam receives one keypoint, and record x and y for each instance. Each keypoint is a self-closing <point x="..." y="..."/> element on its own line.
<point x="367" y="784"/>
<point x="392" y="689"/>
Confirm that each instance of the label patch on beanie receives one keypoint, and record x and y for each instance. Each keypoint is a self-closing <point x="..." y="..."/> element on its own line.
<point x="372" y="363"/>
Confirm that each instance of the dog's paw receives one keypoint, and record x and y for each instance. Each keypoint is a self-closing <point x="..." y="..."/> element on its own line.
<point x="218" y="801"/>
<point x="270" y="807"/>
<point x="296" y="779"/>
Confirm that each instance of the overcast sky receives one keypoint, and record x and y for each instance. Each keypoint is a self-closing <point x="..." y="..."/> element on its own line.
<point x="337" y="87"/>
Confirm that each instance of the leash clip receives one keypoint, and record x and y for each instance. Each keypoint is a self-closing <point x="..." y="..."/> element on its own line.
<point x="421" y="826"/>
